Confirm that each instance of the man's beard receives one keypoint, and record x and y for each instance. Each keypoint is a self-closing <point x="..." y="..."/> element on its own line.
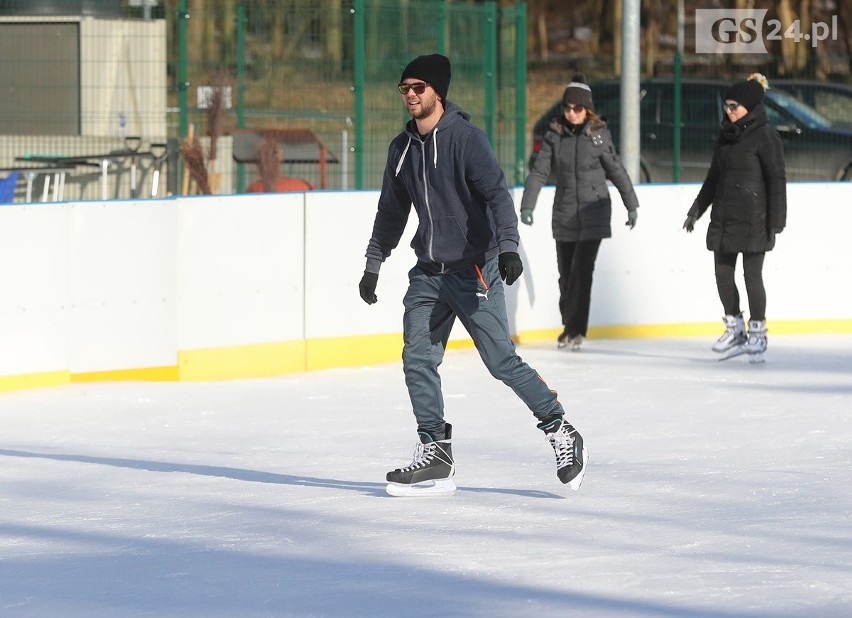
<point x="426" y="108"/>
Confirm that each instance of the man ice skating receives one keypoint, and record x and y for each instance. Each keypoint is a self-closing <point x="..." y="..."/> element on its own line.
<point x="466" y="246"/>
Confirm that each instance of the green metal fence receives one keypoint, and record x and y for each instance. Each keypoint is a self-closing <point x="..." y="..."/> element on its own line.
<point x="91" y="85"/>
<point x="107" y="91"/>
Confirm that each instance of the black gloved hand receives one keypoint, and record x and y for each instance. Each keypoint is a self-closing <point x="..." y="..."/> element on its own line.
<point x="689" y="224"/>
<point x="526" y="216"/>
<point x="632" y="217"/>
<point x="511" y="267"/>
<point x="367" y="287"/>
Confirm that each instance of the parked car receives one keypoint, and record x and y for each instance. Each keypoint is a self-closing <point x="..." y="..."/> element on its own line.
<point x="832" y="101"/>
<point x="814" y="149"/>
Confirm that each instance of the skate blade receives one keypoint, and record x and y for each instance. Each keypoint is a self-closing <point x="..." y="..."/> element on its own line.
<point x="575" y="482"/>
<point x="732" y="353"/>
<point x="440" y="487"/>
<point x="754" y="359"/>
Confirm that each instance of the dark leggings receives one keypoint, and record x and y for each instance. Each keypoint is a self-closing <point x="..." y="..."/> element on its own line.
<point x="576" y="264"/>
<point x="753" y="274"/>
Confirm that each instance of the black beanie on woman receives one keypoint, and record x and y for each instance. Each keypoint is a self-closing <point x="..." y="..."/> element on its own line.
<point x="748" y="93"/>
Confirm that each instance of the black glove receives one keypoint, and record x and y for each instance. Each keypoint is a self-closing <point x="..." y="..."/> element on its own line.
<point x="632" y="216"/>
<point x="367" y="287"/>
<point x="511" y="267"/>
<point x="526" y="216"/>
<point x="689" y="224"/>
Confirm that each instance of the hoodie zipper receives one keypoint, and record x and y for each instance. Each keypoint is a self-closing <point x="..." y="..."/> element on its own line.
<point x="430" y="249"/>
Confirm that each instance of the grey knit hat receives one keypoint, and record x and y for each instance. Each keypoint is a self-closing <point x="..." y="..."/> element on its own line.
<point x="578" y="93"/>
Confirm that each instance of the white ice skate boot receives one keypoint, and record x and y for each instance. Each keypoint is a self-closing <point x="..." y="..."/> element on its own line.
<point x="755" y="347"/>
<point x="430" y="472"/>
<point x="734" y="334"/>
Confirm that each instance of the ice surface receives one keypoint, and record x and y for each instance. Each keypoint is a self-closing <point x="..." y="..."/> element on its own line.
<point x="714" y="489"/>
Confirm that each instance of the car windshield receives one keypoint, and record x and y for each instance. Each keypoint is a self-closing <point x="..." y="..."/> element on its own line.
<point x="803" y="112"/>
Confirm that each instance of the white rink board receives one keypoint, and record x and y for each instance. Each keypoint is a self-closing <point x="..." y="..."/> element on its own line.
<point x="122" y="285"/>
<point x="105" y="286"/>
<point x="337" y="230"/>
<point x="659" y="274"/>
<point x="33" y="289"/>
<point x="240" y="270"/>
<point x="649" y="275"/>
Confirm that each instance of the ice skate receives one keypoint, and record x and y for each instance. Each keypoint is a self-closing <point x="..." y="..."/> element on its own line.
<point x="563" y="340"/>
<point x="733" y="336"/>
<point x="430" y="472"/>
<point x="571" y="455"/>
<point x="576" y="342"/>
<point x="755" y="347"/>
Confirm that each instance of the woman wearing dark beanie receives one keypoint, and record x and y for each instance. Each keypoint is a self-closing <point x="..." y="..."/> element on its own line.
<point x="747" y="188"/>
<point x="578" y="148"/>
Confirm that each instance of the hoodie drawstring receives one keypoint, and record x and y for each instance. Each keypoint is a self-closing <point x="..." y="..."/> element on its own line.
<point x="402" y="158"/>
<point x="434" y="148"/>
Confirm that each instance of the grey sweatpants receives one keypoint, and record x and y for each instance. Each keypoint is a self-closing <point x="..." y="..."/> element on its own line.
<point x="432" y="303"/>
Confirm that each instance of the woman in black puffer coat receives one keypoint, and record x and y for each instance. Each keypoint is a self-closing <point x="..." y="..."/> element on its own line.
<point x="747" y="188"/>
<point x="578" y="148"/>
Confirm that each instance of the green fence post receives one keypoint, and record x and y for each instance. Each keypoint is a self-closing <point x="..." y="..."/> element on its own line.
<point x="241" y="87"/>
<point x="183" y="84"/>
<point x="442" y="28"/>
<point x="677" y="119"/>
<point x="359" y="14"/>
<point x="520" y="94"/>
<point x="490" y="65"/>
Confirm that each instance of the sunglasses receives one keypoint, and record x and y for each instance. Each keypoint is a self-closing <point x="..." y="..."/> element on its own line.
<point x="732" y="106"/>
<point x="573" y="108"/>
<point x="417" y="87"/>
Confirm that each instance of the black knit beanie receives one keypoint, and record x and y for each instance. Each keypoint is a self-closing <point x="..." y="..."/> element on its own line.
<point x="434" y="69"/>
<point x="578" y="93"/>
<point x="748" y="93"/>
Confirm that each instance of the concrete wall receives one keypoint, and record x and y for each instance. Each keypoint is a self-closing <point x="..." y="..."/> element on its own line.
<point x="221" y="287"/>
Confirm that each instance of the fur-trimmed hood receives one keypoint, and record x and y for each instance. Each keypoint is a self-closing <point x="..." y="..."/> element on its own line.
<point x="560" y="126"/>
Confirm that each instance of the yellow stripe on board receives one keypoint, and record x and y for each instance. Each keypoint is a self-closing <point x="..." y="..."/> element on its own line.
<point x="331" y="352"/>
<point x="273" y="359"/>
<point x="701" y="329"/>
<point x="34" y="380"/>
<point x="142" y="374"/>
<point x="259" y="360"/>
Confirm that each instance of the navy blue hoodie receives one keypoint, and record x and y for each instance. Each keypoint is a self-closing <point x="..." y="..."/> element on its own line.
<point x="459" y="191"/>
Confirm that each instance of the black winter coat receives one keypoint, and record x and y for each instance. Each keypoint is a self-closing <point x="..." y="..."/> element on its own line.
<point x="582" y="208"/>
<point x="747" y="187"/>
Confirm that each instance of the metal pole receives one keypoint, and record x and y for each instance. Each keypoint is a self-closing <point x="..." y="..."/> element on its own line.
<point x="630" y="58"/>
